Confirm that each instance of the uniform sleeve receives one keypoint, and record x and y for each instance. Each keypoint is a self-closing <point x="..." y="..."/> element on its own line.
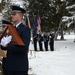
<point x="3" y="48"/>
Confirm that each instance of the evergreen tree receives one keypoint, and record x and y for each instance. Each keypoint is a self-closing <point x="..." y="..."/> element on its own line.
<point x="71" y="10"/>
<point x="2" y="5"/>
<point x="51" y="12"/>
<point x="6" y="10"/>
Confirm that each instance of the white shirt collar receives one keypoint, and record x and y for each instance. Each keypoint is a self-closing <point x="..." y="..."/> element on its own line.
<point x="18" y="24"/>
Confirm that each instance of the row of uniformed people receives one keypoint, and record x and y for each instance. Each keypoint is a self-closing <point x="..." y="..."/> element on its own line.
<point x="46" y="39"/>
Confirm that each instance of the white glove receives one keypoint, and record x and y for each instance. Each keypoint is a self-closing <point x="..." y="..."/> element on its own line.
<point x="42" y="42"/>
<point x="6" y="40"/>
<point x="49" y="36"/>
<point x="2" y="41"/>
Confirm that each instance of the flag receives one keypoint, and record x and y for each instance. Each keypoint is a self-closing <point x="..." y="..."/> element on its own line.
<point x="35" y="24"/>
<point x="39" y="22"/>
<point x="34" y="33"/>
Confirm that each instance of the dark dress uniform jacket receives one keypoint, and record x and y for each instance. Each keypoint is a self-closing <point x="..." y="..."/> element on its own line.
<point x="17" y="59"/>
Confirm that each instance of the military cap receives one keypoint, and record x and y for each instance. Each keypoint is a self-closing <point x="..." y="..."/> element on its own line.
<point x="17" y="9"/>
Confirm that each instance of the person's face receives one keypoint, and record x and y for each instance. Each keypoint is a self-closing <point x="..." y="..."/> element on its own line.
<point x="16" y="16"/>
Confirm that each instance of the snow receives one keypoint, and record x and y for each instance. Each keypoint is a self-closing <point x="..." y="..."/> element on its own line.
<point x="70" y="7"/>
<point x="59" y="62"/>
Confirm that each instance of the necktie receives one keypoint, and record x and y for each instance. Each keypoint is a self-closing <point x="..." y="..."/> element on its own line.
<point x="15" y="27"/>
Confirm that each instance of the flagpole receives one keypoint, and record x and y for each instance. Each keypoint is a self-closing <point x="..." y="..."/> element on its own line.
<point x="28" y="20"/>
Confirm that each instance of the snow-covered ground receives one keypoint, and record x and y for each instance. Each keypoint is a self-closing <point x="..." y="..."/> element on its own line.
<point x="59" y="62"/>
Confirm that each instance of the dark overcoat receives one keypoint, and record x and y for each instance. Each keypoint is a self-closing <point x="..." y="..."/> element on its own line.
<point x="17" y="56"/>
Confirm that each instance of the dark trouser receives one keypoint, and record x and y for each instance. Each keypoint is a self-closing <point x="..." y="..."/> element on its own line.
<point x="46" y="46"/>
<point x="17" y="73"/>
<point x="40" y="46"/>
<point x="35" y="44"/>
<point x="52" y="46"/>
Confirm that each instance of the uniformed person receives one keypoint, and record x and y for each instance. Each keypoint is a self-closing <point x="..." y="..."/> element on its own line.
<point x="46" y="39"/>
<point x="35" y="40"/>
<point x="51" y="37"/>
<point x="40" y="40"/>
<point x="4" y="65"/>
<point x="35" y="24"/>
<point x="17" y="56"/>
